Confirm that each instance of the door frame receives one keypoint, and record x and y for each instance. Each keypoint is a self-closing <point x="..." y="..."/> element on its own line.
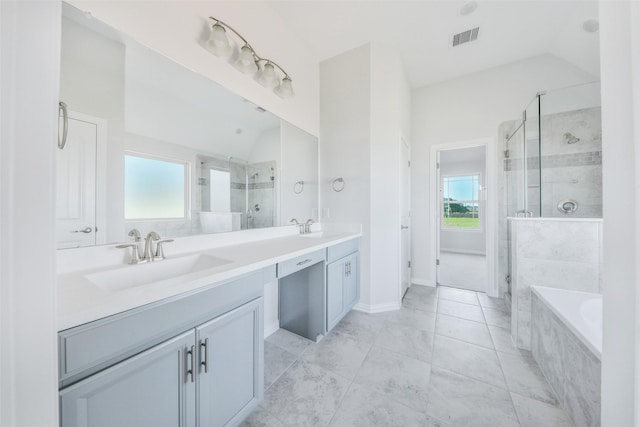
<point x="101" y="172"/>
<point x="404" y="142"/>
<point x="489" y="143"/>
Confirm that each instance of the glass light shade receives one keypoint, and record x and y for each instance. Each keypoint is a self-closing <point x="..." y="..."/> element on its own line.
<point x="267" y="76"/>
<point x="246" y="61"/>
<point x="285" y="90"/>
<point x="219" y="42"/>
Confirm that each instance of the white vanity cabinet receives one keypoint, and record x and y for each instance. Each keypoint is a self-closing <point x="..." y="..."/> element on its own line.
<point x="209" y="372"/>
<point x="343" y="280"/>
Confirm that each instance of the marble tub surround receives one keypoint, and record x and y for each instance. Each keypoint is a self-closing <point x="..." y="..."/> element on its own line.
<point x="80" y="300"/>
<point x="551" y="252"/>
<point x="573" y="371"/>
<point x="413" y="367"/>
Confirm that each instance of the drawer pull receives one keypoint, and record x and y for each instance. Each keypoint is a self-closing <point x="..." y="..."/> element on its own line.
<point x="188" y="361"/>
<point x="305" y="261"/>
<point x="204" y="360"/>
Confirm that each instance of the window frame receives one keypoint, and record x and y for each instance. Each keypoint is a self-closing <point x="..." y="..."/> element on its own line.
<point x="186" y="164"/>
<point x="477" y="201"/>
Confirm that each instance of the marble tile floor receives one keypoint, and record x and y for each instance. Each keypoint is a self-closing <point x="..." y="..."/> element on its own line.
<point x="464" y="271"/>
<point x="443" y="359"/>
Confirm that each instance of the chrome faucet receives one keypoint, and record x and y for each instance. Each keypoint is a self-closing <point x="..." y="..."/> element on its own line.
<point x="307" y="226"/>
<point x="301" y="227"/>
<point x="149" y="254"/>
<point x="135" y="247"/>
<point x="148" y="245"/>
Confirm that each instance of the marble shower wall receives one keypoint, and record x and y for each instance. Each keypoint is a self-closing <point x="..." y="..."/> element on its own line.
<point x="571" y="171"/>
<point x="553" y="252"/>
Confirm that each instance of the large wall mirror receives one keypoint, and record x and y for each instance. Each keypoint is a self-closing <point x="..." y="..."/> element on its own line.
<point x="154" y="146"/>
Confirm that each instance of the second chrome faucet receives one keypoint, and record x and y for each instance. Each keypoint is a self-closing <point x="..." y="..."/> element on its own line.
<point x="149" y="253"/>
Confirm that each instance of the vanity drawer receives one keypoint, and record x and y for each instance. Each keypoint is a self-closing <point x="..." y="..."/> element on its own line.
<point x="298" y="263"/>
<point x="89" y="348"/>
<point x="341" y="250"/>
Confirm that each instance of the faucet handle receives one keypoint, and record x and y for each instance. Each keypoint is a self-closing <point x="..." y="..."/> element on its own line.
<point x="159" y="250"/>
<point x="307" y="225"/>
<point x="135" y="252"/>
<point x="135" y="233"/>
<point x="294" y="221"/>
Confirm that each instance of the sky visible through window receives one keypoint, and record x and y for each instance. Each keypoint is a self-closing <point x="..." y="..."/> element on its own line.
<point x="153" y="189"/>
<point x="461" y="187"/>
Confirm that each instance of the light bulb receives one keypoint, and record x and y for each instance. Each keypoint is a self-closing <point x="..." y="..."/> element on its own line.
<point x="267" y="77"/>
<point x="285" y="90"/>
<point x="218" y="41"/>
<point x="246" y="61"/>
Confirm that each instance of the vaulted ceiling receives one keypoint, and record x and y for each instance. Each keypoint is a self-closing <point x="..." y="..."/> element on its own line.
<point x="422" y="30"/>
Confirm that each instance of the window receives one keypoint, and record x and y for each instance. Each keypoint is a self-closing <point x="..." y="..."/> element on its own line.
<point x="460" y="204"/>
<point x="155" y="188"/>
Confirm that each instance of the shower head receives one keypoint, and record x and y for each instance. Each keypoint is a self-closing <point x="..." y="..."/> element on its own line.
<point x="570" y="138"/>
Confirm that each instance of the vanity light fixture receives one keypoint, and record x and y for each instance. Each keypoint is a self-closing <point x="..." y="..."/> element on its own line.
<point x="266" y="72"/>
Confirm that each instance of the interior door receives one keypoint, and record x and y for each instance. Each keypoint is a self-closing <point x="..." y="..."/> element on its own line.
<point x="405" y="217"/>
<point x="76" y="186"/>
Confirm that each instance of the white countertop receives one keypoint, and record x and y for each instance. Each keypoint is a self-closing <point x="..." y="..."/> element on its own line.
<point x="81" y="301"/>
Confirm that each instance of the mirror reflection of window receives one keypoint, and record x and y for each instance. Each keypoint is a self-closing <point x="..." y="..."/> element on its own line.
<point x="220" y="190"/>
<point x="155" y="188"/>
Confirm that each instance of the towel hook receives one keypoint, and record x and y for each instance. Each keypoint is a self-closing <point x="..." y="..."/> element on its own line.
<point x="298" y="187"/>
<point x="337" y="185"/>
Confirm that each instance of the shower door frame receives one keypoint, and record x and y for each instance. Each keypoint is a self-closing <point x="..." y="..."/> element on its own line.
<point x="491" y="181"/>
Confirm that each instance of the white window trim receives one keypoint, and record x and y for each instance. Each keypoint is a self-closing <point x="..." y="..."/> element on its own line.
<point x="187" y="186"/>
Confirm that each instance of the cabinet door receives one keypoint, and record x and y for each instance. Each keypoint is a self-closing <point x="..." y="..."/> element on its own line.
<point x="351" y="281"/>
<point x="336" y="272"/>
<point x="152" y="389"/>
<point x="230" y="379"/>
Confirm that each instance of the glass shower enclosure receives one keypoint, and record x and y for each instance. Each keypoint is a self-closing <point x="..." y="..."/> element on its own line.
<point x="552" y="162"/>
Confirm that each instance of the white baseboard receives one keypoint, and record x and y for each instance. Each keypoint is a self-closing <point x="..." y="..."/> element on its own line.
<point x="270" y="329"/>
<point x="377" y="308"/>
<point x="422" y="282"/>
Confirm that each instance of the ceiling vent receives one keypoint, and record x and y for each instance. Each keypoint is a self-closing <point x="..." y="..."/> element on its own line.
<point x="465" y="36"/>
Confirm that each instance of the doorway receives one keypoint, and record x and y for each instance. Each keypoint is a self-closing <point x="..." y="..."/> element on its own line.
<point x="463" y="216"/>
<point x="80" y="183"/>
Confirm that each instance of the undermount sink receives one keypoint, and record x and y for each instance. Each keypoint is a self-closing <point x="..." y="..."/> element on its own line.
<point x="142" y="274"/>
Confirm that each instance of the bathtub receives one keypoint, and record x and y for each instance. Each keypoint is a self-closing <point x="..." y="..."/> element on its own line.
<point x="581" y="312"/>
<point x="566" y="342"/>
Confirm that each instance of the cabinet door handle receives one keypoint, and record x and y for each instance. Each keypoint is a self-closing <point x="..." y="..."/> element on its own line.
<point x="188" y="362"/>
<point x="305" y="261"/>
<point x="346" y="269"/>
<point x="204" y="360"/>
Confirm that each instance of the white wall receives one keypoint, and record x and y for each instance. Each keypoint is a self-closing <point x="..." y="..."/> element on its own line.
<point x="29" y="79"/>
<point x="469" y="108"/>
<point x="344" y="149"/>
<point x="466" y="241"/>
<point x="364" y="108"/>
<point x="620" y="73"/>
<point x="177" y="29"/>
<point x="390" y="119"/>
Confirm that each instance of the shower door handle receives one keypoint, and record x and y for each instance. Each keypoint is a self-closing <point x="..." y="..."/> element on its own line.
<point x="404" y="227"/>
